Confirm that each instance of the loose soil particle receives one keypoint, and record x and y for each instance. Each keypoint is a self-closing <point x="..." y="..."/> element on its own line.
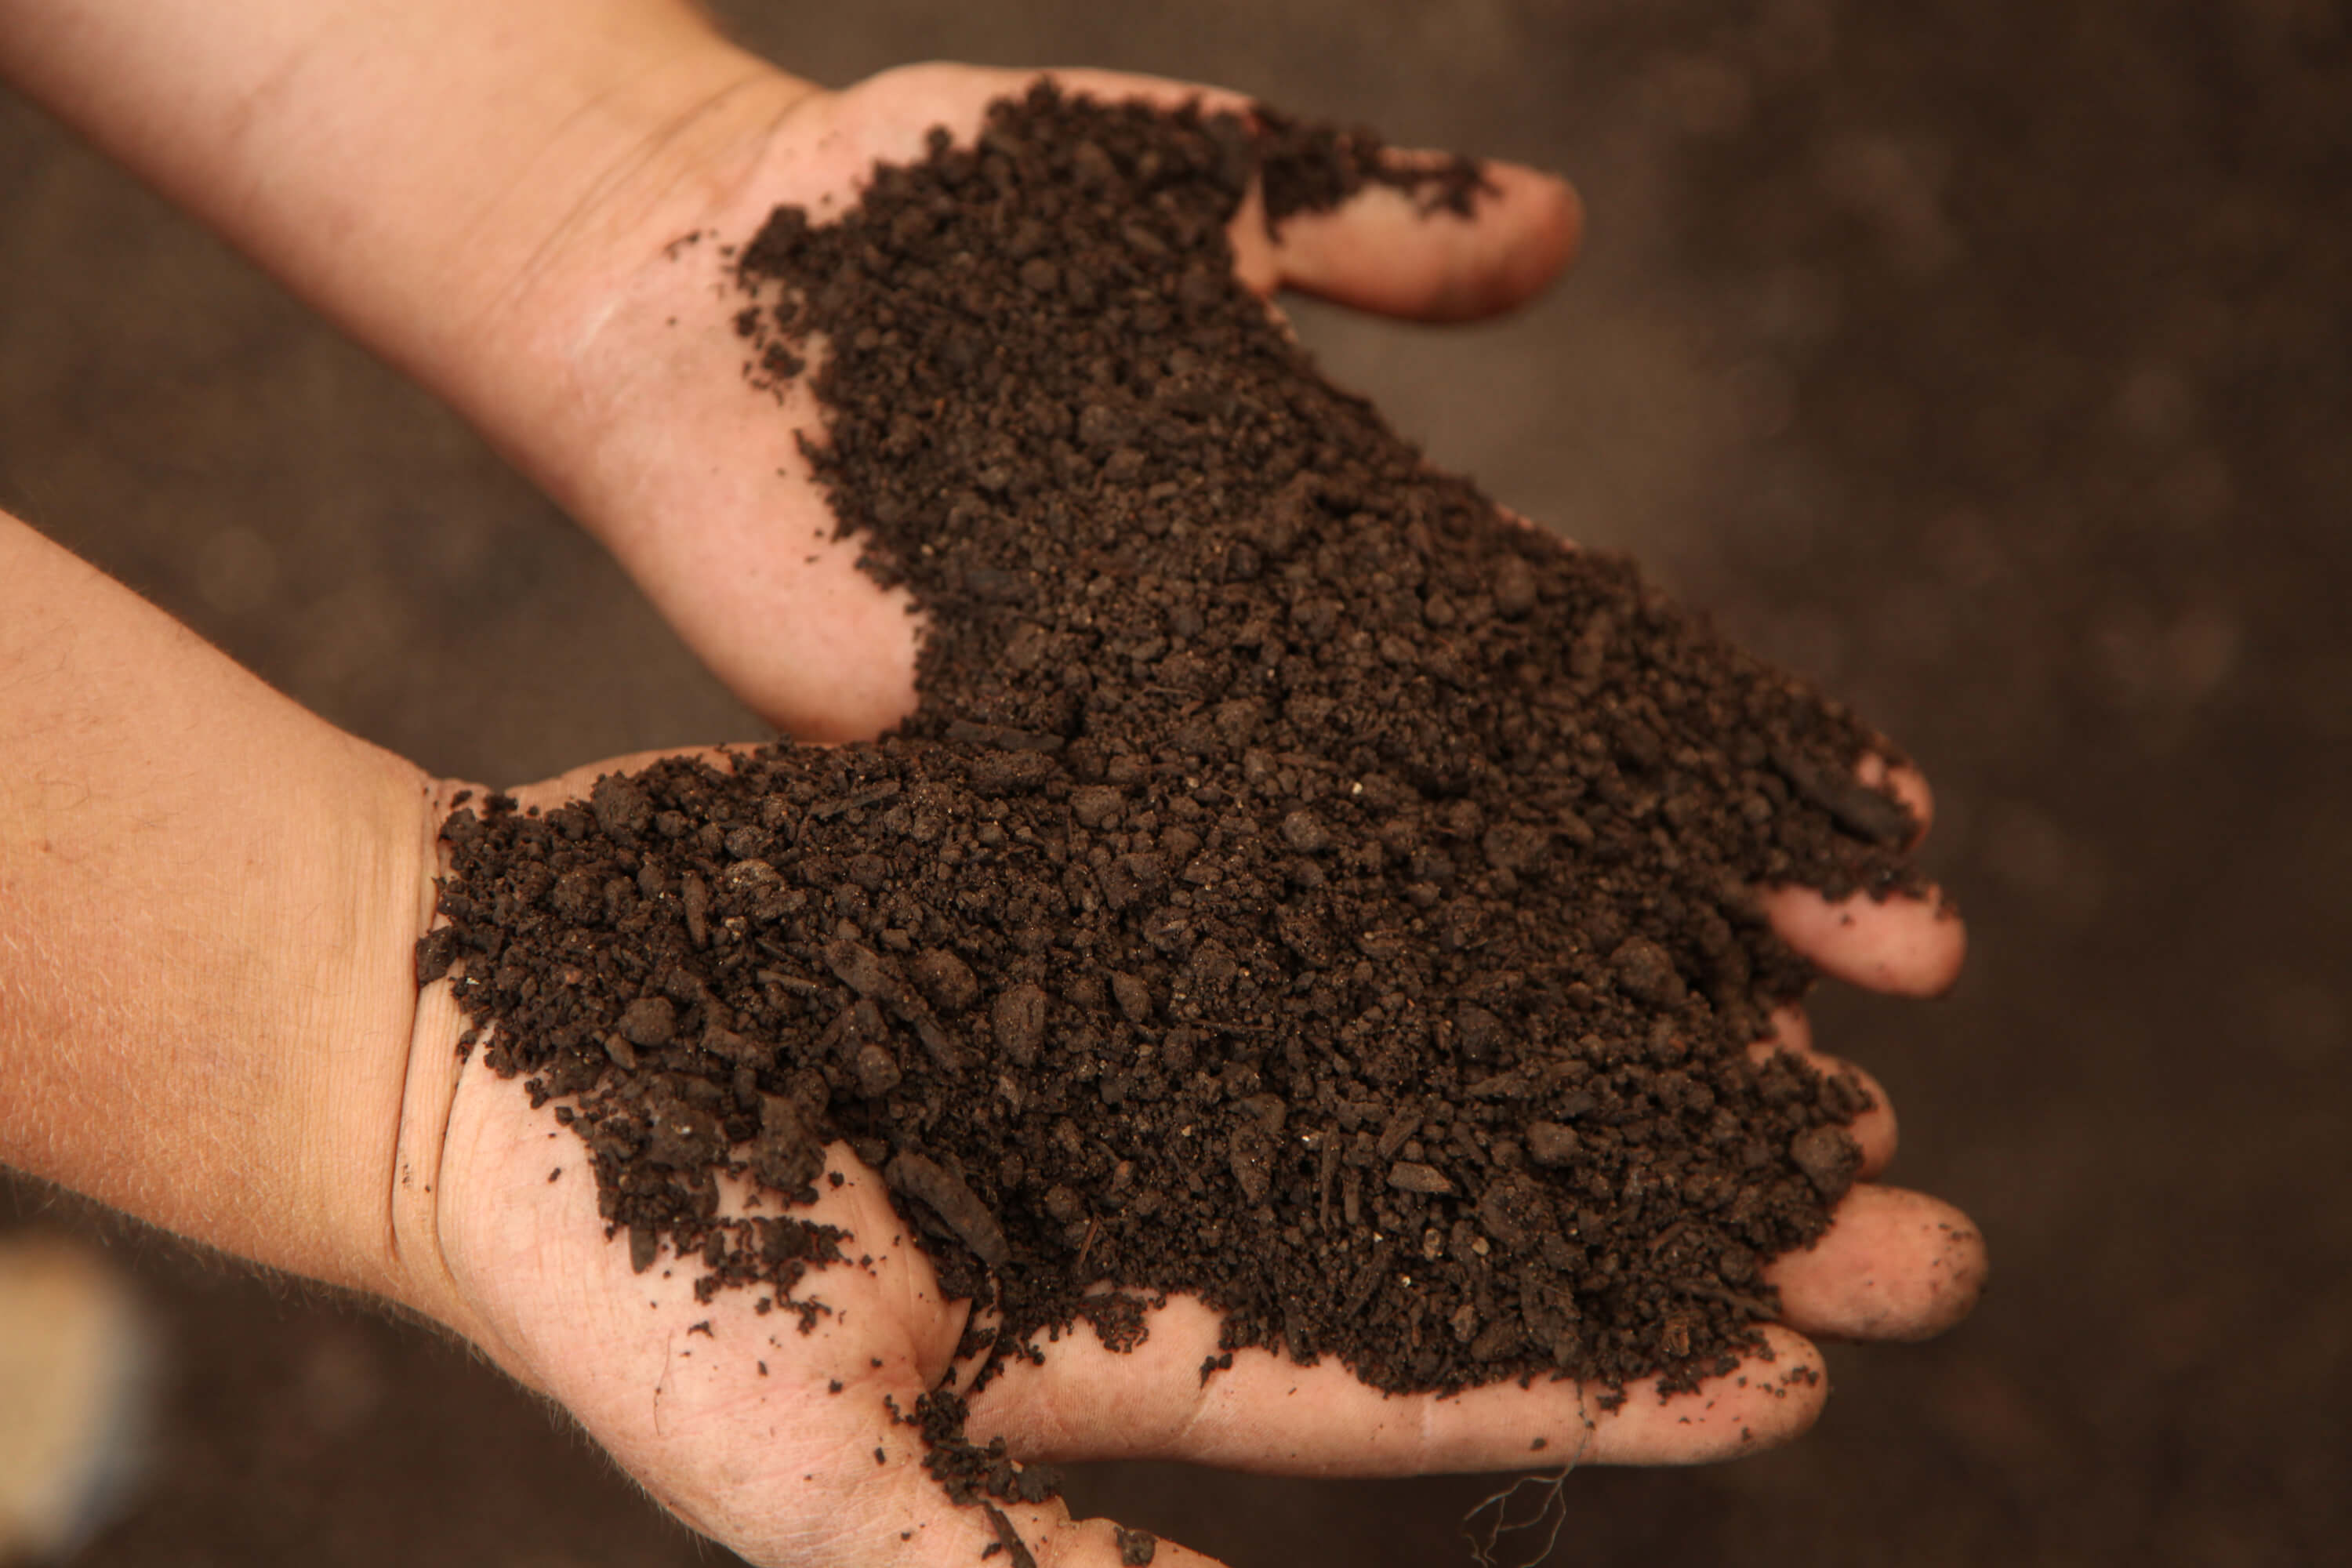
<point x="1300" y="886"/>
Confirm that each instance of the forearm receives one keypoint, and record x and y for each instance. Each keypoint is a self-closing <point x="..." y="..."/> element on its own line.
<point x="207" y="902"/>
<point x="425" y="171"/>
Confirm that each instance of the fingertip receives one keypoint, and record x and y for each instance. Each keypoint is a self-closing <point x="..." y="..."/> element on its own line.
<point x="1769" y="1398"/>
<point x="1797" y="1380"/>
<point x="1893" y="1264"/>
<point x="1541" y="221"/>
<point x="1876" y="1130"/>
<point x="1380" y="251"/>
<point x="1904" y="946"/>
<point x="1910" y="786"/>
<point x="1905" y="783"/>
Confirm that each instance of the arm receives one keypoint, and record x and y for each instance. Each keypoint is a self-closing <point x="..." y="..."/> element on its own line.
<point x="204" y="897"/>
<point x="425" y="172"/>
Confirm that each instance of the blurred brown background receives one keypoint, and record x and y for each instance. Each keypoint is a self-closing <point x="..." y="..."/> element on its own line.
<point x="1987" y="359"/>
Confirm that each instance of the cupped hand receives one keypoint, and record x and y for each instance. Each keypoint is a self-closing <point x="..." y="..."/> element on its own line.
<point x="698" y="484"/>
<point x="788" y="1444"/>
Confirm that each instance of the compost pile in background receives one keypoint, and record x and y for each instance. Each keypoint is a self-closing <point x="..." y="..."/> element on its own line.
<point x="1300" y="885"/>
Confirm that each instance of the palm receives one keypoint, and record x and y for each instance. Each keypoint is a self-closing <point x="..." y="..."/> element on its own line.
<point x="699" y="486"/>
<point x="731" y="1416"/>
<point x="787" y="1445"/>
<point x="759" y="1435"/>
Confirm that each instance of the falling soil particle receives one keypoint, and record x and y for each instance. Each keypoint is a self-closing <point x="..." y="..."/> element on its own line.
<point x="1299" y="887"/>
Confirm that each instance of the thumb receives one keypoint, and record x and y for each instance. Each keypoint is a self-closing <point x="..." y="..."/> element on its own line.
<point x="1381" y="248"/>
<point x="1390" y="248"/>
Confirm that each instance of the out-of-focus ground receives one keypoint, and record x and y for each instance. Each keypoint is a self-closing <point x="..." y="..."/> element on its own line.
<point x="1988" y="361"/>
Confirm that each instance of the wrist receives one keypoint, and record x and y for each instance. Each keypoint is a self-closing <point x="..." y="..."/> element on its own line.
<point x="206" y="990"/>
<point x="353" y="1022"/>
<point x="444" y="178"/>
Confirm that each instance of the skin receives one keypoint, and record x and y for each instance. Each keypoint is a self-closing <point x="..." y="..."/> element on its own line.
<point x="208" y="898"/>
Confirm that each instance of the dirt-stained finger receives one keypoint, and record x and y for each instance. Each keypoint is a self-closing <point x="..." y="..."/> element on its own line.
<point x="1267" y="1413"/>
<point x="1902" y="945"/>
<point x="1380" y="251"/>
<point x="1893" y="1264"/>
<point x="1874" y="1130"/>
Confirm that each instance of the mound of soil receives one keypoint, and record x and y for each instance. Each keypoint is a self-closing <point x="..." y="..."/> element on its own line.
<point x="1300" y="886"/>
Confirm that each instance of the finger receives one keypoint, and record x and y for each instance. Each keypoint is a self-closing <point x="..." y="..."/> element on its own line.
<point x="1378" y="250"/>
<point x="1905" y="783"/>
<point x="1893" y="1264"/>
<point x="1267" y="1413"/>
<point x="578" y="783"/>
<point x="1874" y="1129"/>
<point x="1790" y="1028"/>
<point x="1904" y="945"/>
<point x="1909" y="946"/>
<point x="1381" y="251"/>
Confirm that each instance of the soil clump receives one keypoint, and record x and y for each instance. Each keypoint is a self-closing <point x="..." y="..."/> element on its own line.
<point x="1300" y="886"/>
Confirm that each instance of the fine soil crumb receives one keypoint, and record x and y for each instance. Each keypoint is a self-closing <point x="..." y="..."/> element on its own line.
<point x="1300" y="886"/>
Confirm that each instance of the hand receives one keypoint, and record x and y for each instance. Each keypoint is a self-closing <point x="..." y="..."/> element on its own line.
<point x="276" y="1088"/>
<point x="784" y="1445"/>
<point x="698" y="486"/>
<point x="492" y="198"/>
